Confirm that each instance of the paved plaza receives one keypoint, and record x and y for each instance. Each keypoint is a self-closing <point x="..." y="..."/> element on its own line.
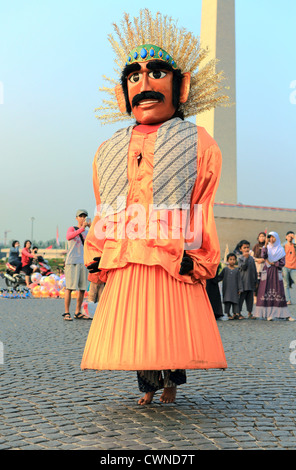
<point x="48" y="403"/>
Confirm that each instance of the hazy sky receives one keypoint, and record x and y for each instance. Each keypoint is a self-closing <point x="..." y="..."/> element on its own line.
<point x="52" y="58"/>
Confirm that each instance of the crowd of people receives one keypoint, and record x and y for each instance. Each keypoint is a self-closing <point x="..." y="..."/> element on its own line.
<point x="260" y="277"/>
<point x="78" y="279"/>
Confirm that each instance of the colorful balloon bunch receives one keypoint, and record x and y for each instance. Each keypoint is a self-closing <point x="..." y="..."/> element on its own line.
<point x="52" y="286"/>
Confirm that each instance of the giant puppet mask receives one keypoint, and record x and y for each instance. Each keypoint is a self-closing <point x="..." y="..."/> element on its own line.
<point x="160" y="73"/>
<point x="152" y="89"/>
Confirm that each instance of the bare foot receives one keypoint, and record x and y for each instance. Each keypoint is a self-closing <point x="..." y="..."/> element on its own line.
<point x="168" y="395"/>
<point x="147" y="398"/>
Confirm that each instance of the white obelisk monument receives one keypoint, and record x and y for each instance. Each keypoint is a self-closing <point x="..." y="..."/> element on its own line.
<point x="218" y="36"/>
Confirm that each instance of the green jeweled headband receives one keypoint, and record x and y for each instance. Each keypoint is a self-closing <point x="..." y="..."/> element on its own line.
<point x="147" y="52"/>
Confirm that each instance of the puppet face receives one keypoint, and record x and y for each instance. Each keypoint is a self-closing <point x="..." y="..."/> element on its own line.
<point x="150" y="92"/>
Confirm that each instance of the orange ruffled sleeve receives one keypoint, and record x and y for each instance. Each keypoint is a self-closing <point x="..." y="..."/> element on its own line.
<point x="206" y="258"/>
<point x="93" y="246"/>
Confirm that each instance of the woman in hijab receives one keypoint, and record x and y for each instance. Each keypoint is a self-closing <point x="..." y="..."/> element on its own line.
<point x="271" y="300"/>
<point x="259" y="261"/>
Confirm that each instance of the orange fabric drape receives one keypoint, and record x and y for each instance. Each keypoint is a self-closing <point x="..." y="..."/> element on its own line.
<point x="118" y="252"/>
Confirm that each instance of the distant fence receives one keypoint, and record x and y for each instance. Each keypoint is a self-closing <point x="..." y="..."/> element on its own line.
<point x="47" y="253"/>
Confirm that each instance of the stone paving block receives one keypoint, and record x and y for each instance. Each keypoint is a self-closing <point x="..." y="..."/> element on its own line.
<point x="58" y="406"/>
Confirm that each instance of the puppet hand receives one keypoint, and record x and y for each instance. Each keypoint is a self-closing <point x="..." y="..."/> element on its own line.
<point x="94" y="267"/>
<point x="186" y="264"/>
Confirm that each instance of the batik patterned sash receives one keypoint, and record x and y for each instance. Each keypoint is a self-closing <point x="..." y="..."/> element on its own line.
<point x="175" y="163"/>
<point x="174" y="167"/>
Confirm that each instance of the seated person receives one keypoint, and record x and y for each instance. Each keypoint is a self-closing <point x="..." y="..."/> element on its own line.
<point x="14" y="256"/>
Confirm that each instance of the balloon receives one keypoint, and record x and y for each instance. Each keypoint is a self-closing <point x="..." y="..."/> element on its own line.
<point x="43" y="291"/>
<point x="51" y="282"/>
<point x="62" y="293"/>
<point x="62" y="282"/>
<point x="36" y="277"/>
<point x="42" y="280"/>
<point x="36" y="291"/>
<point x="31" y="286"/>
<point x="54" y="276"/>
<point x="53" y="292"/>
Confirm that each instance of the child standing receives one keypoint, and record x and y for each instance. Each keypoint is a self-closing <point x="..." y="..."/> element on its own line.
<point x="231" y="287"/>
<point x="248" y="272"/>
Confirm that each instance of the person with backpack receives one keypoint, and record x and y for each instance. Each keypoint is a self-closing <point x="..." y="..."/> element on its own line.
<point x="76" y="273"/>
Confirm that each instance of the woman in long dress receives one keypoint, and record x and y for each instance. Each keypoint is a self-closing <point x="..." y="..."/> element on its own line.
<point x="271" y="299"/>
<point x="259" y="261"/>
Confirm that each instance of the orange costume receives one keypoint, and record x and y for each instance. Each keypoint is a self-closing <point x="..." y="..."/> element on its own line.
<point x="150" y="317"/>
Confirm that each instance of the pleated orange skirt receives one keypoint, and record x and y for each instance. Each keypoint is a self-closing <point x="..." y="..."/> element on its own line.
<point x="148" y="320"/>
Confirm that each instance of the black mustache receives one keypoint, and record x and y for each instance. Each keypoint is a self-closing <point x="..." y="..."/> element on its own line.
<point x="146" y="95"/>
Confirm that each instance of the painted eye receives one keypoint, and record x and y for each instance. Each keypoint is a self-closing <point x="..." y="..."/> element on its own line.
<point x="157" y="74"/>
<point x="135" y="77"/>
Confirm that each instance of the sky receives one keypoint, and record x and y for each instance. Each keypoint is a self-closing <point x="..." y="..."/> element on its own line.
<point x="53" y="55"/>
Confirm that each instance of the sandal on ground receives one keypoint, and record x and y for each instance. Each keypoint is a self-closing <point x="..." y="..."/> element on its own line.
<point x="239" y="317"/>
<point x="67" y="316"/>
<point x="230" y="317"/>
<point x="81" y="316"/>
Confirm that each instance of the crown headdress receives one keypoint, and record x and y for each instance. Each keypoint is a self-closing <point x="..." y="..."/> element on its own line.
<point x="149" y="38"/>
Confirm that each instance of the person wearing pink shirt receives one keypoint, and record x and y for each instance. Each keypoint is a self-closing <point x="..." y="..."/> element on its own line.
<point x="75" y="272"/>
<point x="27" y="258"/>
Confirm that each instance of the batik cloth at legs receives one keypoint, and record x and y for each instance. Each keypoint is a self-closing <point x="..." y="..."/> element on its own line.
<point x="153" y="380"/>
